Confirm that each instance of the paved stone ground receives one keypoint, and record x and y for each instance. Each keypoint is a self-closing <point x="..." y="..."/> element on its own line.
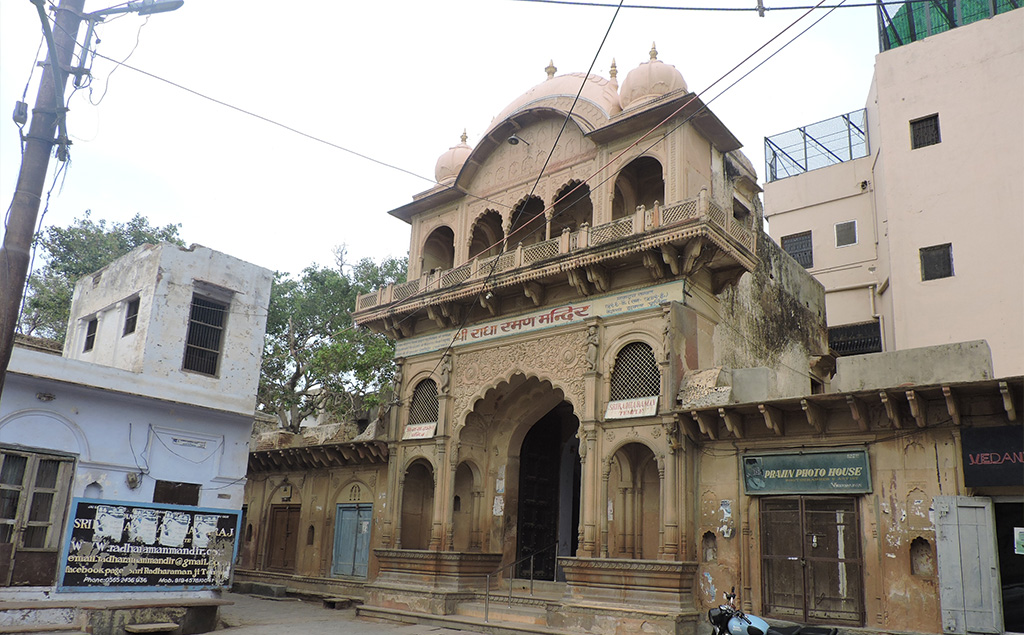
<point x="252" y="615"/>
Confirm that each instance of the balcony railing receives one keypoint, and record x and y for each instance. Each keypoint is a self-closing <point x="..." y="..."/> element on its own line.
<point x="818" y="145"/>
<point x="644" y="220"/>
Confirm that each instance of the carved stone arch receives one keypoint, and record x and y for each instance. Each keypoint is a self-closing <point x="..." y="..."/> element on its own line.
<point x="496" y="383"/>
<point x="638" y="440"/>
<point x="616" y="344"/>
<point x="638" y="182"/>
<point x="343" y="494"/>
<point x="417" y="454"/>
<point x="296" y="494"/>
<point x="570" y="211"/>
<point x="486" y="233"/>
<point x="527" y="221"/>
<point x="27" y="427"/>
<point x="437" y="250"/>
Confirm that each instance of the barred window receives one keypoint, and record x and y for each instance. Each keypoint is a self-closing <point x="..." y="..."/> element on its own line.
<point x="936" y="262"/>
<point x="924" y="132"/>
<point x="846" y="233"/>
<point x="205" y="332"/>
<point x="799" y="246"/>
<point x="423" y="408"/>
<point x="635" y="373"/>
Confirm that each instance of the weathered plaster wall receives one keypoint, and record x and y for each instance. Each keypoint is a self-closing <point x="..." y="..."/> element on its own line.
<point x="774" y="317"/>
<point x="165" y="277"/>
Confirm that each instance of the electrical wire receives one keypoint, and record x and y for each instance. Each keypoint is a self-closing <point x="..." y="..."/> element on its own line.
<point x="117" y="65"/>
<point x="756" y="9"/>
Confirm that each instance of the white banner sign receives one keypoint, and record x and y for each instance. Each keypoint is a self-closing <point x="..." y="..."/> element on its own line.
<point x="601" y="306"/>
<point x="629" y="408"/>
<point x="419" y="431"/>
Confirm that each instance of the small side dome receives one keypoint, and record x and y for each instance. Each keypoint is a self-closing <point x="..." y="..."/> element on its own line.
<point x="450" y="163"/>
<point x="651" y="79"/>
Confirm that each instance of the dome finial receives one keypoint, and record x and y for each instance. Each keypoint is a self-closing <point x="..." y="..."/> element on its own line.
<point x="551" y="70"/>
<point x="464" y="137"/>
<point x="654" y="51"/>
<point x="613" y="71"/>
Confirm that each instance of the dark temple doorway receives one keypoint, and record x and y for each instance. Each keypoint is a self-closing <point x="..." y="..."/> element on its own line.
<point x="549" y="493"/>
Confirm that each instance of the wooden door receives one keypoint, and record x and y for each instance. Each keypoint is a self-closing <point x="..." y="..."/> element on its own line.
<point x="283" y="541"/>
<point x="969" y="587"/>
<point x="352" y="540"/>
<point x="811" y="560"/>
<point x="33" y="503"/>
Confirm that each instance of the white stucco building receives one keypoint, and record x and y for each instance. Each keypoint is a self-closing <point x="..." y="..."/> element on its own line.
<point x="150" y="407"/>
<point x="911" y="212"/>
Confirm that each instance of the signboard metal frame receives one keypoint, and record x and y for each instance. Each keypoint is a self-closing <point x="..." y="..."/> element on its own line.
<point x="124" y="549"/>
<point x="824" y="472"/>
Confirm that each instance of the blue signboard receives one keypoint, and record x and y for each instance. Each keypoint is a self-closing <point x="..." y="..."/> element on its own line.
<point x="147" y="546"/>
<point x="840" y="472"/>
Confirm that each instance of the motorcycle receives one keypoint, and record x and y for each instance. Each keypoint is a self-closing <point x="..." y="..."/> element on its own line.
<point x="729" y="620"/>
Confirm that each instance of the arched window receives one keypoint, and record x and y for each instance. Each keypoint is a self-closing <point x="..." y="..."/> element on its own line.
<point x="439" y="250"/>
<point x="635" y="373"/>
<point x="423" y="408"/>
<point x="639" y="183"/>
<point x="527" y="223"/>
<point x="572" y="208"/>
<point x="487" y="235"/>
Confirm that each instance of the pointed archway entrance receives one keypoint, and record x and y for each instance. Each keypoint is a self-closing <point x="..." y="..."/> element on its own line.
<point x="549" y="493"/>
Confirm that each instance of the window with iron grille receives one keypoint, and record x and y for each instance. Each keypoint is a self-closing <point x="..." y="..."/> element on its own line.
<point x="635" y="373"/>
<point x="423" y="408"/>
<point x="924" y="132"/>
<point x="131" y="316"/>
<point x="799" y="246"/>
<point x="937" y="262"/>
<point x="856" y="339"/>
<point x="846" y="233"/>
<point x="205" y="335"/>
<point x="90" y="334"/>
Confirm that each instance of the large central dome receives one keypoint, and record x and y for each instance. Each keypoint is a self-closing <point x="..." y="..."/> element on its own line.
<point x="597" y="90"/>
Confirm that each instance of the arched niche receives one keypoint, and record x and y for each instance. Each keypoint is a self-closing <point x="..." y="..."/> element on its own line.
<point x="528" y="223"/>
<point x="417" y="505"/>
<point x="640" y="182"/>
<point x="439" y="250"/>
<point x="634" y="487"/>
<point x="572" y="208"/>
<point x="487" y="235"/>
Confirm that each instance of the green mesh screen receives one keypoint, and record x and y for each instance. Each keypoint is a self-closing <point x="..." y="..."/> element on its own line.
<point x="905" y="22"/>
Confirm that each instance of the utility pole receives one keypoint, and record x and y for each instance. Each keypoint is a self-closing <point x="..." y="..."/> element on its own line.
<point x="21" y="224"/>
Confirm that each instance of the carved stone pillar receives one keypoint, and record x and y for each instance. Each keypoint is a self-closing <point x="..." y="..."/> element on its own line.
<point x="396" y="511"/>
<point x="605" y="473"/>
<point x="670" y="493"/>
<point x="589" y="515"/>
<point x="442" y="500"/>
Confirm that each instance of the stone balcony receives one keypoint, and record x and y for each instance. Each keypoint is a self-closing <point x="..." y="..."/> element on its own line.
<point x="668" y="241"/>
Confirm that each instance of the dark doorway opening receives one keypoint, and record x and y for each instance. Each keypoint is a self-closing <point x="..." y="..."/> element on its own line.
<point x="549" y="493"/>
<point x="1010" y="517"/>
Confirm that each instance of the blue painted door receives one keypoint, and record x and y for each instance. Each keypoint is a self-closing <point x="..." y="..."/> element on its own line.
<point x="352" y="539"/>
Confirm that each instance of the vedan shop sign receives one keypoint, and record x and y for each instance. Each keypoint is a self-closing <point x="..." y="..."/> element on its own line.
<point x="993" y="456"/>
<point x="147" y="546"/>
<point x="843" y="472"/>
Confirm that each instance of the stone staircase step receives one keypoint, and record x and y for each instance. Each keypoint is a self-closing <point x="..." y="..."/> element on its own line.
<point x="458" y="622"/>
<point x="502" y="612"/>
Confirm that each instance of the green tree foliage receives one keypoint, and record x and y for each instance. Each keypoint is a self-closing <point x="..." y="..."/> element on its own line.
<point x="72" y="252"/>
<point x="314" y="360"/>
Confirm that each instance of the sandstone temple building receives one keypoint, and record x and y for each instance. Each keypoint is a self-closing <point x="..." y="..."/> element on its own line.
<point x="610" y="379"/>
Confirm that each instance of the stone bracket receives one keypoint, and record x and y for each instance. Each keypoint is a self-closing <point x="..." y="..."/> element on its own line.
<point x="918" y="408"/>
<point x="772" y="418"/>
<point x="858" y="412"/>
<point x="892" y="409"/>
<point x="952" y="404"/>
<point x="1011" y="410"/>
<point x="707" y="423"/>
<point x="733" y="422"/>
<point x="815" y="415"/>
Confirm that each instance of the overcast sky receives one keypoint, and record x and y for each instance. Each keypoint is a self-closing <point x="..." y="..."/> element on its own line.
<point x="396" y="81"/>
